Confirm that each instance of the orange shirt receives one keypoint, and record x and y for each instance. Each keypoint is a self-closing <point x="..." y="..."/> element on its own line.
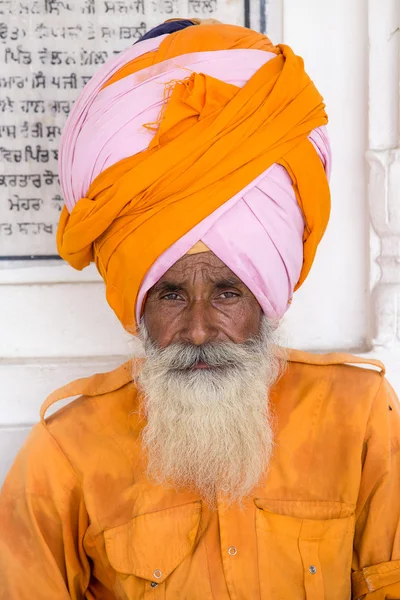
<point x="78" y="519"/>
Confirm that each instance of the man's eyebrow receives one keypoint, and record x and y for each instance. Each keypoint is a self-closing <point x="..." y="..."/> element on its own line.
<point x="228" y="282"/>
<point x="167" y="286"/>
<point x="173" y="286"/>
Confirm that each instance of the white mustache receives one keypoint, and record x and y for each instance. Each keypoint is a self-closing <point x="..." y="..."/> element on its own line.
<point x="181" y="357"/>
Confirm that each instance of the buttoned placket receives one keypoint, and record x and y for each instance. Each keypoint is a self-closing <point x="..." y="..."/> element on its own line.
<point x="239" y="550"/>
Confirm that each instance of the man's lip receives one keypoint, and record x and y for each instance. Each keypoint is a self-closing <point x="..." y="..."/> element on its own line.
<point x="201" y="365"/>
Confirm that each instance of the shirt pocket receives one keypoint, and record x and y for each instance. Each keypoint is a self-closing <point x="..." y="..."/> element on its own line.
<point x="145" y="551"/>
<point x="305" y="549"/>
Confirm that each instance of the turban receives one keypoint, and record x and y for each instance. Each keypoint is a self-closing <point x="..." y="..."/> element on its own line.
<point x="209" y="133"/>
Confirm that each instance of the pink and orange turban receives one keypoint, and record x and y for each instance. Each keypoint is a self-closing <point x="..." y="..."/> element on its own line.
<point x="210" y="133"/>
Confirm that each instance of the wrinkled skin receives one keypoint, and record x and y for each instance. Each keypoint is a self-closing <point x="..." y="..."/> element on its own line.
<point x="199" y="300"/>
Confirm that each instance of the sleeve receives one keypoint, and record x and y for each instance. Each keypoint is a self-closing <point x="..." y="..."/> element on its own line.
<point x="376" y="556"/>
<point x="42" y="523"/>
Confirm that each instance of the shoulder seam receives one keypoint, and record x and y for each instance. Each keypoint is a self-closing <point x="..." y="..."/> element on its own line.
<point x="333" y="358"/>
<point x="51" y="436"/>
<point x="94" y="385"/>
<point x="21" y="492"/>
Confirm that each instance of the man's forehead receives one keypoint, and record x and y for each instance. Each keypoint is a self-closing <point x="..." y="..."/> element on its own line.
<point x="204" y="265"/>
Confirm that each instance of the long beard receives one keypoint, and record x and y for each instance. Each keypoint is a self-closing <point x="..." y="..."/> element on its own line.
<point x="209" y="430"/>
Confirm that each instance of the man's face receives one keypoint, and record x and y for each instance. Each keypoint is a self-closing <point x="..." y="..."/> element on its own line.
<point x="210" y="362"/>
<point x="200" y="300"/>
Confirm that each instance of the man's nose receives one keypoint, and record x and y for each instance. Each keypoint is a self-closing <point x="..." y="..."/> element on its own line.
<point x="198" y="327"/>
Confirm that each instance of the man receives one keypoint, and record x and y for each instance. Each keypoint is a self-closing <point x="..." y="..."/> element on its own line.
<point x="194" y="169"/>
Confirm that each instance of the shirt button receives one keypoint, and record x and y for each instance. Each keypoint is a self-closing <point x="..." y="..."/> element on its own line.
<point x="312" y="569"/>
<point x="232" y="550"/>
<point x="154" y="584"/>
<point x="157" y="574"/>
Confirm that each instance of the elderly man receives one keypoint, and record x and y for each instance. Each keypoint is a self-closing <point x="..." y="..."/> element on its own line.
<point x="194" y="170"/>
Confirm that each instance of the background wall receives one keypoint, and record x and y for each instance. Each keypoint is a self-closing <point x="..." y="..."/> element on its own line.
<point x="56" y="326"/>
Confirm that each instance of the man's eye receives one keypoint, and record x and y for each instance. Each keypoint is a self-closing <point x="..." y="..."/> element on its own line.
<point x="228" y="295"/>
<point x="171" y="296"/>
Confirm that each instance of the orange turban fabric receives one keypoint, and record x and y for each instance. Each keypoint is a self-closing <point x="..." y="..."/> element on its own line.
<point x="211" y="139"/>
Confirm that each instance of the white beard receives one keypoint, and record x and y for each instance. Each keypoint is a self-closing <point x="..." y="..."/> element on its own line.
<point x="209" y="430"/>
